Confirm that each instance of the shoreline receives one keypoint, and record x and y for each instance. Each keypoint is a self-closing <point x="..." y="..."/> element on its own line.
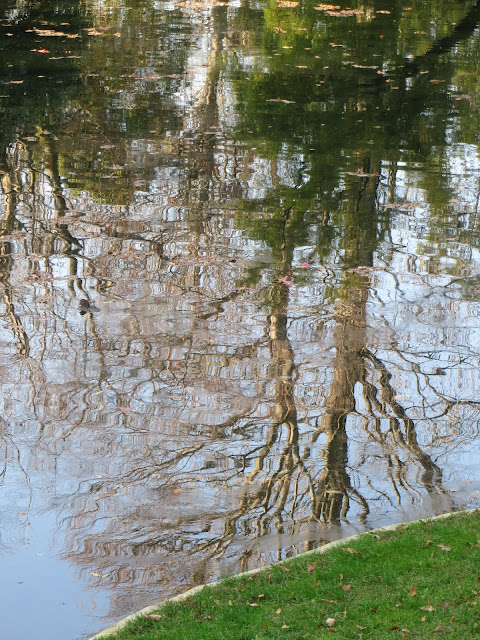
<point x="319" y="550"/>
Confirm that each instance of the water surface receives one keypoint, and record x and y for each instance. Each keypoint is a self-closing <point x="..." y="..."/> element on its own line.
<point x="239" y="277"/>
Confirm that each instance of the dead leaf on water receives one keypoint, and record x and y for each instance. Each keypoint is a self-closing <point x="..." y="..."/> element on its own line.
<point x="281" y="100"/>
<point x="345" y="13"/>
<point x="362" y="174"/>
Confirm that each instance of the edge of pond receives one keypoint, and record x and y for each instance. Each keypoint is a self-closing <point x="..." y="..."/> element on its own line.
<point x="318" y="550"/>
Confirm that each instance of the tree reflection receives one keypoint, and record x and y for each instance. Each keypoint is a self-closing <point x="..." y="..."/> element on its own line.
<point x="214" y="404"/>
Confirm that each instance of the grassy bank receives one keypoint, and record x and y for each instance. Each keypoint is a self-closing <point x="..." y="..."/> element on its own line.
<point x="420" y="580"/>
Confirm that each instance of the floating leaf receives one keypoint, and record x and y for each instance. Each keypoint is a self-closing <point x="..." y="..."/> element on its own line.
<point x="345" y="13"/>
<point x="362" y="174"/>
<point x="281" y="100"/>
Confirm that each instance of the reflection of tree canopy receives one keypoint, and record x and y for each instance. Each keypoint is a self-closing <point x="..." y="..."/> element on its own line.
<point x="222" y="393"/>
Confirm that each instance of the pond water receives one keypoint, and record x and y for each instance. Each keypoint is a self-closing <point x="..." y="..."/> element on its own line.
<point x="240" y="289"/>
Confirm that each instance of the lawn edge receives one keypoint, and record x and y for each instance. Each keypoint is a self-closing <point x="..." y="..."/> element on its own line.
<point x="109" y="631"/>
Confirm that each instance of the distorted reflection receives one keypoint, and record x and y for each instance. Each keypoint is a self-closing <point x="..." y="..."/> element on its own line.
<point x="239" y="273"/>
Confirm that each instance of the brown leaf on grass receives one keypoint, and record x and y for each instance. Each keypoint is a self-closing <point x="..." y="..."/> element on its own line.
<point x="439" y="628"/>
<point x="429" y="608"/>
<point x="352" y="551"/>
<point x="261" y="595"/>
<point x="285" y="626"/>
<point x="443" y="547"/>
<point x="361" y="628"/>
<point x="283" y="568"/>
<point x="153" y="616"/>
<point x="311" y="567"/>
<point x="253" y="604"/>
<point x="412" y="593"/>
<point x="330" y="622"/>
<point x="346" y="587"/>
<point x="424" y="618"/>
<point x="278" y="612"/>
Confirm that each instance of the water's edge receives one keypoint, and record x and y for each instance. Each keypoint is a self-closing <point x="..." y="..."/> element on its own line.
<point x="319" y="550"/>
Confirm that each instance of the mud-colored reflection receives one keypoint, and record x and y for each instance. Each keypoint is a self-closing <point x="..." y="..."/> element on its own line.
<point x="239" y="288"/>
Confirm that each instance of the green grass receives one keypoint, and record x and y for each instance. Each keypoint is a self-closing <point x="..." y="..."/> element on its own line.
<point x="418" y="581"/>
